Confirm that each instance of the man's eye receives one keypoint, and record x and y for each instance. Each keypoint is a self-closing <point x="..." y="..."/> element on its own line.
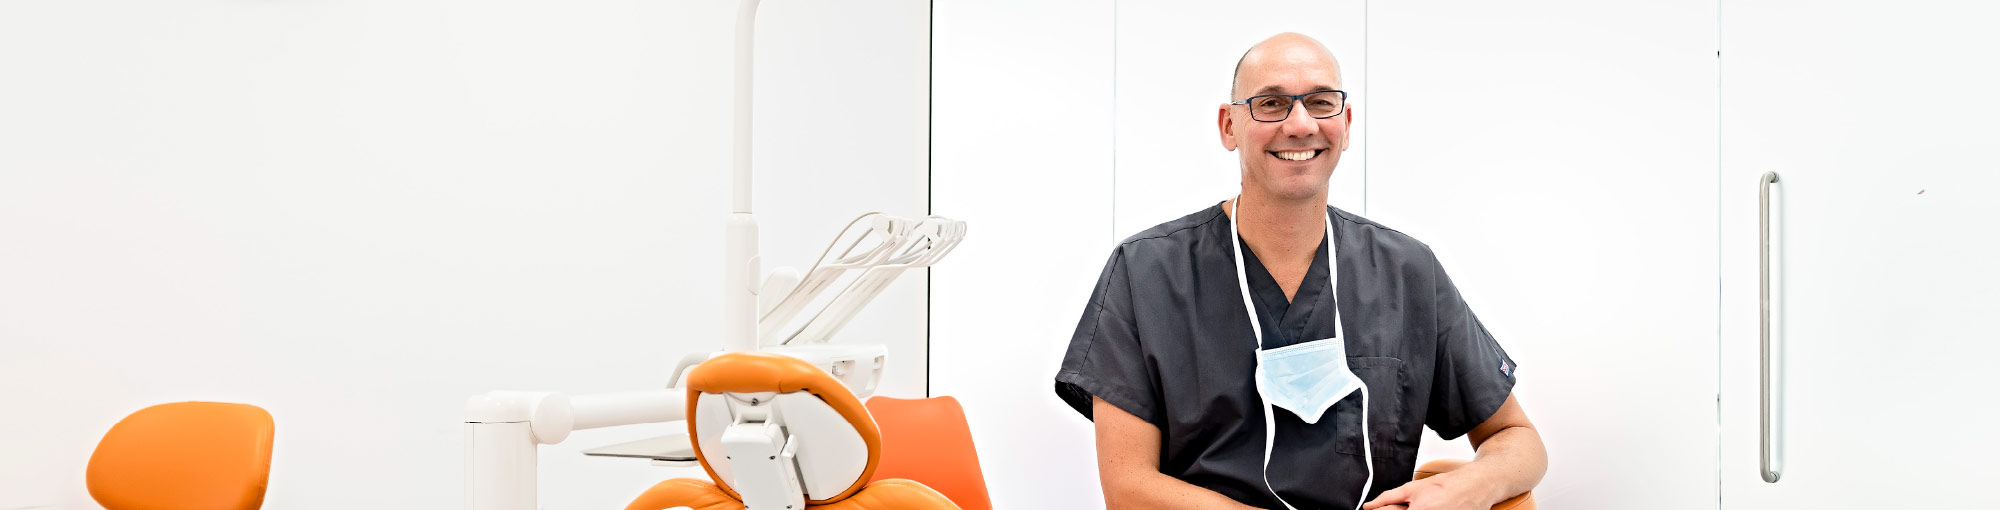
<point x="1272" y="102"/>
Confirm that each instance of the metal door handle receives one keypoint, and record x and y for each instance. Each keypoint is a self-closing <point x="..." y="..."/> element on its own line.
<point x="1768" y="462"/>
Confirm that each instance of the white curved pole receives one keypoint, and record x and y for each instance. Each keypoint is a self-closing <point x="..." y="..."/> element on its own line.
<point x="742" y="271"/>
<point x="746" y="41"/>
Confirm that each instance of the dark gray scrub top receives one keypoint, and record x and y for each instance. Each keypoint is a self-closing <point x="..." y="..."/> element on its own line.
<point x="1165" y="338"/>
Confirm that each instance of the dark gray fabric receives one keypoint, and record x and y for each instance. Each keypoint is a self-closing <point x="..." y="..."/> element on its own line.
<point x="1164" y="337"/>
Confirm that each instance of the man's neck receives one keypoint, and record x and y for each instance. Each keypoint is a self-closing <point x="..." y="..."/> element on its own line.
<point x="1283" y="233"/>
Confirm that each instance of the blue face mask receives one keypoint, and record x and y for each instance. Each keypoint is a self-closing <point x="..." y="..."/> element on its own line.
<point x="1306" y="378"/>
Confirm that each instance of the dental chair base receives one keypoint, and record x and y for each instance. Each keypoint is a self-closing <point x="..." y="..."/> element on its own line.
<point x="701" y="495"/>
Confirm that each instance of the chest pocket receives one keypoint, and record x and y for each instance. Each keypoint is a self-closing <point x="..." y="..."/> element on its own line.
<point x="1384" y="377"/>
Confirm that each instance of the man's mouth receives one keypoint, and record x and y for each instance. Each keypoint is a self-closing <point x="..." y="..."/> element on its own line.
<point x="1297" y="155"/>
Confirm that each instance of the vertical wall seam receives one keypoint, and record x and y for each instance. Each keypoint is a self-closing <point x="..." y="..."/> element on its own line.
<point x="930" y="179"/>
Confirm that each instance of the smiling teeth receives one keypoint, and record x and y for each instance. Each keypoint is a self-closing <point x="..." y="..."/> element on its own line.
<point x="1296" y="155"/>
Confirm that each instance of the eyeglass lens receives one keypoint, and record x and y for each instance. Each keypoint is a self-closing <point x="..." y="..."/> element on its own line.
<point x="1275" y="108"/>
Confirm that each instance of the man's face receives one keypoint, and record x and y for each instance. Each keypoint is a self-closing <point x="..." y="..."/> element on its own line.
<point x="1294" y="158"/>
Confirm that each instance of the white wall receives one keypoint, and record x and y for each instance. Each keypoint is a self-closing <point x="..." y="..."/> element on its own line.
<point x="1023" y="155"/>
<point x="357" y="214"/>
<point x="1559" y="156"/>
<point x="1174" y="69"/>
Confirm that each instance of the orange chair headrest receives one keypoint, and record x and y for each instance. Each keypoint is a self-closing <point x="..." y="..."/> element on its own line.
<point x="757" y="372"/>
<point x="184" y="455"/>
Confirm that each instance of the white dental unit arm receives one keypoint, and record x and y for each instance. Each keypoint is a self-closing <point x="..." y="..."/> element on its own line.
<point x="505" y="428"/>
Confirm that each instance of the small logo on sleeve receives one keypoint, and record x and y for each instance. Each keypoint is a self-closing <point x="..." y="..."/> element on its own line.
<point x="1505" y="369"/>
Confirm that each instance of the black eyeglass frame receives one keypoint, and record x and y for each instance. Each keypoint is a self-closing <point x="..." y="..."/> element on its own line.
<point x="1293" y="100"/>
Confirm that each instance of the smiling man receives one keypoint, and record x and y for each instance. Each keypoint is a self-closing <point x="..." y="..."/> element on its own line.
<point x="1272" y="351"/>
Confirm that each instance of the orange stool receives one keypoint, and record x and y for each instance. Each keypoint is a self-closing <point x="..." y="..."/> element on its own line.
<point x="207" y="455"/>
<point x="928" y="441"/>
<point x="1525" y="501"/>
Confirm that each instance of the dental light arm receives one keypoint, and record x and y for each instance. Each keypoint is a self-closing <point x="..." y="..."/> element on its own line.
<point x="503" y="430"/>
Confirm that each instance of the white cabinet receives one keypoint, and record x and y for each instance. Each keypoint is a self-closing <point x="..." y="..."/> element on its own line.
<point x="1878" y="122"/>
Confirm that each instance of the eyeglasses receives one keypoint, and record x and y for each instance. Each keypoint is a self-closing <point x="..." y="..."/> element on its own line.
<point x="1278" y="107"/>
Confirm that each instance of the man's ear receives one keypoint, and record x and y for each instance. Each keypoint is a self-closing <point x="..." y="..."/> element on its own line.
<point x="1227" y="126"/>
<point x="1348" y="132"/>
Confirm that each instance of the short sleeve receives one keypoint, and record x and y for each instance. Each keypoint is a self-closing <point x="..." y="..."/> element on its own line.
<point x="1105" y="358"/>
<point x="1473" y="375"/>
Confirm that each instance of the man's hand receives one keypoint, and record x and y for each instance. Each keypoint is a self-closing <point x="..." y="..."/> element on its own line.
<point x="1439" y="492"/>
<point x="1510" y="462"/>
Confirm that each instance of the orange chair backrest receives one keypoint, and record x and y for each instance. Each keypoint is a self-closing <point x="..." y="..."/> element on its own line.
<point x="207" y="455"/>
<point x="927" y="440"/>
<point x="756" y="372"/>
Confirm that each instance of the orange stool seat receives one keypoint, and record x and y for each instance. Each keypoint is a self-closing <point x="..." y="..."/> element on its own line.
<point x="207" y="455"/>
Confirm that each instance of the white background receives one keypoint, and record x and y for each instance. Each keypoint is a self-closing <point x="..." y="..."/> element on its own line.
<point x="1023" y="148"/>
<point x="1559" y="157"/>
<point x="358" y="214"/>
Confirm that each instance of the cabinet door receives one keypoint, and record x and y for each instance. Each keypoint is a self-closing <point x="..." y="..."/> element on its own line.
<point x="1877" y="120"/>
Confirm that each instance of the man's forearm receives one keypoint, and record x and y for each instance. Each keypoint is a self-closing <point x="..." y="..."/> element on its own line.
<point x="1161" y="491"/>
<point x="1508" y="464"/>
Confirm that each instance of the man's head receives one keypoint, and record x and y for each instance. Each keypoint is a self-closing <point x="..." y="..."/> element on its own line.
<point x="1291" y="159"/>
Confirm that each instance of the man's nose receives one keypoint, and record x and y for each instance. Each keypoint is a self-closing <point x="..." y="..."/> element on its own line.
<point x="1299" y="123"/>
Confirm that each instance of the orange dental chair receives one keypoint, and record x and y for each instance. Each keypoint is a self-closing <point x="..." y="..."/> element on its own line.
<point x="776" y="433"/>
<point x="928" y="440"/>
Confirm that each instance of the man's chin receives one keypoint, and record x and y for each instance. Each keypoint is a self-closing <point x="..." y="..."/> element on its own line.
<point x="1292" y="190"/>
<point x="1288" y="182"/>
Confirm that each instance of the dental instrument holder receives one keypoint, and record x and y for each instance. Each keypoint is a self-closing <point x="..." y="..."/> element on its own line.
<point x="903" y="244"/>
<point x="504" y="429"/>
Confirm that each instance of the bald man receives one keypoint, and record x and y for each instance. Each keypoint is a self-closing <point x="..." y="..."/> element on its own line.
<point x="1272" y="351"/>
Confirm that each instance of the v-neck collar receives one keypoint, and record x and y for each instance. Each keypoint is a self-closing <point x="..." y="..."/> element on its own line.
<point x="1286" y="322"/>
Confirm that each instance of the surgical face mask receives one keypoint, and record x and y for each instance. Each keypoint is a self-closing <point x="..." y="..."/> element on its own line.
<point x="1307" y="378"/>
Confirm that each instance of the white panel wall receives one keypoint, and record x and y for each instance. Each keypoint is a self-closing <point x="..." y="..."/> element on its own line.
<point x="1559" y="156"/>
<point x="1175" y="64"/>
<point x="357" y="214"/>
<point x="1023" y="155"/>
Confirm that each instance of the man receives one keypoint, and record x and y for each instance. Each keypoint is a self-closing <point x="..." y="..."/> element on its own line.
<point x="1229" y="358"/>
